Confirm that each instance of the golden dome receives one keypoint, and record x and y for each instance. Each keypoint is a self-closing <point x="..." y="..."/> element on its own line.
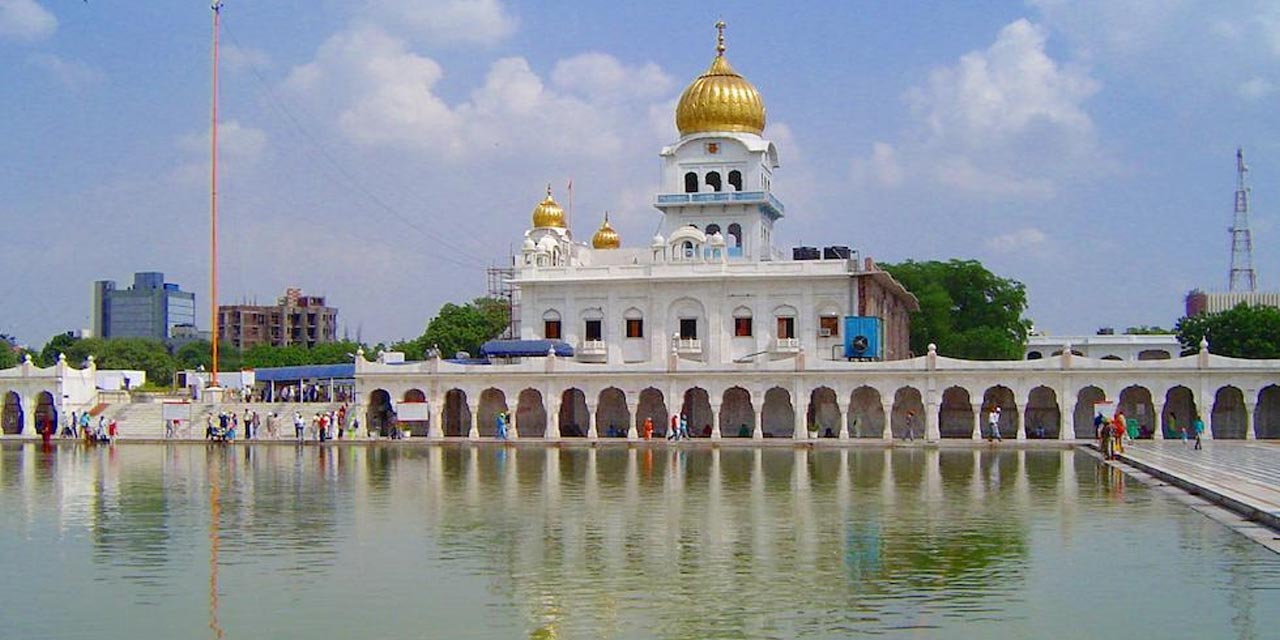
<point x="720" y="100"/>
<point x="606" y="237"/>
<point x="548" y="213"/>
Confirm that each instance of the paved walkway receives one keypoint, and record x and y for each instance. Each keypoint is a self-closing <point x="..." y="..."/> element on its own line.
<point x="1242" y="476"/>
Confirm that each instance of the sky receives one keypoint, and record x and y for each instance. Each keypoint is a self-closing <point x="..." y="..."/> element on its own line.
<point x="383" y="153"/>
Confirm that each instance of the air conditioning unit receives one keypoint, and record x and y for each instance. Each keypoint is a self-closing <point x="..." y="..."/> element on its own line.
<point x="824" y="332"/>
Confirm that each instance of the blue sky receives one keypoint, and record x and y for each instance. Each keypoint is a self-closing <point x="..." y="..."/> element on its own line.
<point x="383" y="152"/>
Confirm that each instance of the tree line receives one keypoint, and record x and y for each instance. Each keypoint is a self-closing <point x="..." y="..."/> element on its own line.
<point x="965" y="309"/>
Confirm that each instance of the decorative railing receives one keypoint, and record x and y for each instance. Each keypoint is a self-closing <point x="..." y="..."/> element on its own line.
<point x="688" y="345"/>
<point x="593" y="348"/>
<point x="787" y="345"/>
<point x="722" y="196"/>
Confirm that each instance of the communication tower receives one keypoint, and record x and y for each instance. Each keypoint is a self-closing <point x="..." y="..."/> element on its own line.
<point x="1242" y="276"/>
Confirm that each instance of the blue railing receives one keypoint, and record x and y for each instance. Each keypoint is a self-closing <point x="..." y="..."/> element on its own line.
<point x="722" y="196"/>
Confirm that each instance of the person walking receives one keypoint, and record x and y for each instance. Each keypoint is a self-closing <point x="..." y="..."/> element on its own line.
<point x="993" y="419"/>
<point x="1198" y="426"/>
<point x="500" y="425"/>
<point x="684" y="427"/>
<point x="911" y="425"/>
<point x="648" y="427"/>
<point x="1120" y="428"/>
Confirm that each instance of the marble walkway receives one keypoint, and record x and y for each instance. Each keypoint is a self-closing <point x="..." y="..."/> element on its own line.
<point x="1241" y="476"/>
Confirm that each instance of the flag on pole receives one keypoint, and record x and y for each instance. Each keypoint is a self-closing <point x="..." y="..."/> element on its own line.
<point x="569" y="217"/>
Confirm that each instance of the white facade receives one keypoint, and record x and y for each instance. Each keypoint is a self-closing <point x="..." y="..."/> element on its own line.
<point x="1105" y="347"/>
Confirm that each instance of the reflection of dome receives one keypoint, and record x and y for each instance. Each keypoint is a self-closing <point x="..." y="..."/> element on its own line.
<point x="720" y="100"/>
<point x="606" y="237"/>
<point x="548" y="213"/>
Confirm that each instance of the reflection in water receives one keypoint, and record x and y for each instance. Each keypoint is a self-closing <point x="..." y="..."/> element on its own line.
<point x="482" y="541"/>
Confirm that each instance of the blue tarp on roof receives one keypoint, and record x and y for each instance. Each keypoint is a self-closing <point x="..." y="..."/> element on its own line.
<point x="524" y="348"/>
<point x="306" y="372"/>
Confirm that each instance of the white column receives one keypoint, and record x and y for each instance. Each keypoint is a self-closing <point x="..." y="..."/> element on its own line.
<point x="592" y="433"/>
<point x="715" y="421"/>
<point x="932" y="430"/>
<point x="977" y="420"/>
<point x="758" y="432"/>
<point x="634" y="410"/>
<point x="799" y="422"/>
<point x="887" y="433"/>
<point x="435" y="426"/>
<point x="29" y="403"/>
<point x="1158" y="432"/>
<point x="553" y="420"/>
<point x="1067" y="421"/>
<point x="1020" y="433"/>
<point x="1248" y="421"/>
<point x="844" y="419"/>
<point x="473" y="430"/>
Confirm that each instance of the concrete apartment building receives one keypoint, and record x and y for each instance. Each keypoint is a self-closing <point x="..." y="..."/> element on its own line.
<point x="294" y="319"/>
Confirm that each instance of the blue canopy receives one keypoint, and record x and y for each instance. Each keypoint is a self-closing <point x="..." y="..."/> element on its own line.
<point x="343" y="371"/>
<point x="524" y="348"/>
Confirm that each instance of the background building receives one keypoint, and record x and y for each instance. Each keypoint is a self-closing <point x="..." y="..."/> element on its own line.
<point x="1202" y="302"/>
<point x="295" y="319"/>
<point x="151" y="308"/>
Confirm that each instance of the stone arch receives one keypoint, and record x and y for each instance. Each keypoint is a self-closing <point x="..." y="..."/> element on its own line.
<point x="713" y="180"/>
<point x="823" y="414"/>
<point x="1112" y="356"/>
<point x="414" y="427"/>
<point x="735" y="179"/>
<point x="1082" y="420"/>
<point x="380" y="415"/>
<point x="1002" y="396"/>
<point x="684" y="309"/>
<point x="457" y="415"/>
<point x="11" y="419"/>
<point x="1034" y="355"/>
<point x="1043" y="416"/>
<point x="907" y="404"/>
<point x="611" y="412"/>
<point x="492" y="401"/>
<point x="1179" y="411"/>
<point x="652" y="405"/>
<point x="1266" y="417"/>
<point x="1154" y="354"/>
<point x="955" y="414"/>
<point x="1229" y="419"/>
<point x="691" y="182"/>
<point x="735" y="232"/>
<point x="866" y="413"/>
<point x="697" y="410"/>
<point x="531" y="414"/>
<point x="1135" y="402"/>
<point x="737" y="416"/>
<point x="779" y="416"/>
<point x="46" y="411"/>
<point x="574" y="416"/>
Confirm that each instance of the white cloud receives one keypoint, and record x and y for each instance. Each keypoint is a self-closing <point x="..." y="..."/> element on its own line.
<point x="1005" y="121"/>
<point x="25" y="20"/>
<point x="1256" y="88"/>
<point x="238" y="147"/>
<point x="382" y="94"/>
<point x="1019" y="240"/>
<point x="236" y="58"/>
<point x="72" y="73"/>
<point x="446" y="22"/>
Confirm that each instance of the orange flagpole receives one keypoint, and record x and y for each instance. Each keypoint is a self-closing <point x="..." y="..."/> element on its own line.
<point x="213" y="199"/>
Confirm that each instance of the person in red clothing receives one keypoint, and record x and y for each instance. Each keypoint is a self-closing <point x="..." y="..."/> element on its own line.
<point x="648" y="428"/>
<point x="111" y="431"/>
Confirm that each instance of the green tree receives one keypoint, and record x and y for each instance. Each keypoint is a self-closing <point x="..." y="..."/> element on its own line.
<point x="59" y="344"/>
<point x="1144" y="330"/>
<point x="199" y="353"/>
<point x="1244" y="331"/>
<point x="966" y="310"/>
<point x="8" y="357"/>
<point x="460" y="328"/>
<point x="264" y="355"/>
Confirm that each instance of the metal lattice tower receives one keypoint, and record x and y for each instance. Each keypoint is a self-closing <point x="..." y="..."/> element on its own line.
<point x="1242" y="276"/>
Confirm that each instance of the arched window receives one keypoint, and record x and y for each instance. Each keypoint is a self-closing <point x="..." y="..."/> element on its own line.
<point x="713" y="180"/>
<point x="713" y="228"/>
<point x="688" y="250"/>
<point x="634" y="323"/>
<point x="551" y="324"/>
<point x="691" y="182"/>
<point x="742" y="322"/>
<point x="735" y="179"/>
<point x="735" y="232"/>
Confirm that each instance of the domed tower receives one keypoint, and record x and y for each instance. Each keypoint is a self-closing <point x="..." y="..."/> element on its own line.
<point x="606" y="237"/>
<point x="549" y="242"/>
<point x="718" y="175"/>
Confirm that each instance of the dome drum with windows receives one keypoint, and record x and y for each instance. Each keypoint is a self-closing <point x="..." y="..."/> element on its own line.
<point x="720" y="100"/>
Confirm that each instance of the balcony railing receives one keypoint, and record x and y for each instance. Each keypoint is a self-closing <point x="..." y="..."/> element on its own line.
<point x="715" y="197"/>
<point x="688" y="346"/>
<point x="593" y="348"/>
<point x="787" y="345"/>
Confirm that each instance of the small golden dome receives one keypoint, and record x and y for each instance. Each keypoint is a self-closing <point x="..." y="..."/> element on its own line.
<point x="606" y="237"/>
<point x="548" y="213"/>
<point x="720" y="100"/>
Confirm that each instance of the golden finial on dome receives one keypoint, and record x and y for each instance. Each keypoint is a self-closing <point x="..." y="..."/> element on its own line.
<point x="720" y="99"/>
<point x="606" y="237"/>
<point x="548" y="213"/>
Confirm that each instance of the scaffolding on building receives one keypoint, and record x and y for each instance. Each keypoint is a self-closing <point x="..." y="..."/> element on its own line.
<point x="501" y="287"/>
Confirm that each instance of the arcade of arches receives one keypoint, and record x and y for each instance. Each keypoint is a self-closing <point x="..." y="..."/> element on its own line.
<point x="960" y="412"/>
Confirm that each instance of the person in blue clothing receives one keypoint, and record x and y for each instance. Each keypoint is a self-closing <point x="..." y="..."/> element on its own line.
<point x="1198" y="426"/>
<point x="500" y="425"/>
<point x="684" y="427"/>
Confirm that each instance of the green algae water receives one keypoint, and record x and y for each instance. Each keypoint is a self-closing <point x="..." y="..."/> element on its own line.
<point x="284" y="541"/>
